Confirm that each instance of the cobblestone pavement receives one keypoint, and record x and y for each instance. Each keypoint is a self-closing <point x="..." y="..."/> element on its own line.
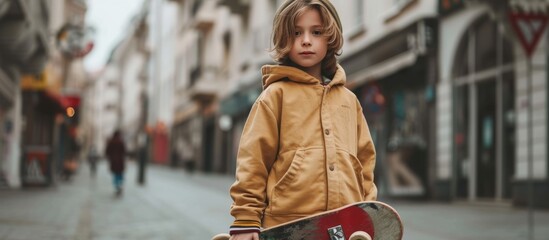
<point x="176" y="205"/>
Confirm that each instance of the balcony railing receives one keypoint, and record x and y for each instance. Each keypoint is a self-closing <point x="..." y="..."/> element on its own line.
<point x="236" y="6"/>
<point x="206" y="87"/>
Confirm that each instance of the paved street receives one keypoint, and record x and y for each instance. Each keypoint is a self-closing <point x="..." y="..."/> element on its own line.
<point x="176" y="205"/>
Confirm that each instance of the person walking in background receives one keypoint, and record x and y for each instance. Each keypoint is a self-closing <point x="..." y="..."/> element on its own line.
<point x="184" y="151"/>
<point x="306" y="147"/>
<point x="93" y="158"/>
<point x="116" y="154"/>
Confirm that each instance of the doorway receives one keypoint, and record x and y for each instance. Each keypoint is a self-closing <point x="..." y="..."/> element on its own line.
<point x="485" y="139"/>
<point x="483" y="113"/>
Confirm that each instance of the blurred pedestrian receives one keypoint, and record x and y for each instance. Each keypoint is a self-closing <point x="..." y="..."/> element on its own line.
<point x="116" y="154"/>
<point x="93" y="158"/>
<point x="306" y="147"/>
<point x="69" y="167"/>
<point x="184" y="151"/>
<point x="70" y="163"/>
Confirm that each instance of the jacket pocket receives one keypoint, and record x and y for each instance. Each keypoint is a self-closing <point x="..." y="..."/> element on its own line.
<point x="295" y="166"/>
<point x="352" y="189"/>
<point x="301" y="190"/>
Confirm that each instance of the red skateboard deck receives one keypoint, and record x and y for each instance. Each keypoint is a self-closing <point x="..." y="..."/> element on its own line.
<point x="359" y="221"/>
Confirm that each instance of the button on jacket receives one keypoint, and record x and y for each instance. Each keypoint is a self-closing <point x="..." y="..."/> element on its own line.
<point x="305" y="149"/>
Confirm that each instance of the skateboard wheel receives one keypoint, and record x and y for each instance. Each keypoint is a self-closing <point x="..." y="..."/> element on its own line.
<point x="360" y="235"/>
<point x="222" y="236"/>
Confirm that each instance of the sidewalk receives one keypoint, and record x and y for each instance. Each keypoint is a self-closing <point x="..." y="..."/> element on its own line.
<point x="172" y="205"/>
<point x="468" y="221"/>
<point x="177" y="205"/>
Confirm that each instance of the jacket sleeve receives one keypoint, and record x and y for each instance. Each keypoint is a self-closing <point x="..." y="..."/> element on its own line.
<point x="257" y="151"/>
<point x="366" y="153"/>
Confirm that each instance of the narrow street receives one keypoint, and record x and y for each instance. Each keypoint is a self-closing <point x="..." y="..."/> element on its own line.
<point x="177" y="205"/>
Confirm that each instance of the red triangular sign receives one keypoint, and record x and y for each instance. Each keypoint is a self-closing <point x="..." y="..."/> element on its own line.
<point x="528" y="27"/>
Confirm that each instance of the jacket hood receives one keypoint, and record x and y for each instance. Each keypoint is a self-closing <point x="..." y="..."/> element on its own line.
<point x="275" y="73"/>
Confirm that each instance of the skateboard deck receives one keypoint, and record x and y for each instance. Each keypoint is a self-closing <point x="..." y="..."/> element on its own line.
<point x="359" y="221"/>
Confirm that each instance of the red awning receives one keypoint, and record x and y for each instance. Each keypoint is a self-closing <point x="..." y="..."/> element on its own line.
<point x="58" y="103"/>
<point x="72" y="101"/>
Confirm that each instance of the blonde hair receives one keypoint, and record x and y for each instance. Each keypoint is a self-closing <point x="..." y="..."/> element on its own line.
<point x="284" y="27"/>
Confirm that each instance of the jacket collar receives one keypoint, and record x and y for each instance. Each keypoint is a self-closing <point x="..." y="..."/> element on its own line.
<point x="275" y="73"/>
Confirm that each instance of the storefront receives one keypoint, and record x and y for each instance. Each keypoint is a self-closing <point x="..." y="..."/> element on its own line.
<point x="394" y="82"/>
<point x="23" y="50"/>
<point x="46" y="142"/>
<point x="186" y="137"/>
<point x="482" y="117"/>
<point x="235" y="109"/>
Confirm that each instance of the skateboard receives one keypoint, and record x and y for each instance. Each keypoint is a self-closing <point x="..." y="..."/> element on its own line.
<point x="369" y="220"/>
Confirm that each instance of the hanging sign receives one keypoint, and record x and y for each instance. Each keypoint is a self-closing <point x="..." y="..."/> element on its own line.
<point x="75" y="41"/>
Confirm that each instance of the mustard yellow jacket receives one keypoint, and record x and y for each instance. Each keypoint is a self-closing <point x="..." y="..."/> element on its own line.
<point x="305" y="148"/>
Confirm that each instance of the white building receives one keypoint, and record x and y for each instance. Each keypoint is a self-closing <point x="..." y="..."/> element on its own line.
<point x="121" y="89"/>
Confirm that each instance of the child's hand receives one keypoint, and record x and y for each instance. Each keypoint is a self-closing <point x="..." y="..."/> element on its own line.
<point x="245" y="236"/>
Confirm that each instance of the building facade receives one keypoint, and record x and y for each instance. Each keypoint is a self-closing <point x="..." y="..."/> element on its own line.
<point x="24" y="49"/>
<point x="39" y="83"/>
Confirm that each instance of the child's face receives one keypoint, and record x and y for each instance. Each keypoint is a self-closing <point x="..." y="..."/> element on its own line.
<point x="310" y="45"/>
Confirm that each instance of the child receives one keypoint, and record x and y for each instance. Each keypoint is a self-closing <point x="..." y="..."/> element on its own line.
<point x="306" y="147"/>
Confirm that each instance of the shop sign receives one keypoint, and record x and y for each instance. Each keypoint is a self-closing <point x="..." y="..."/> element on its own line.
<point x="75" y="41"/>
<point x="35" y="166"/>
<point x="34" y="82"/>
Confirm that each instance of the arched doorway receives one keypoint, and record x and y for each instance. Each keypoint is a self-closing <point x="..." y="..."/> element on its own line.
<point x="484" y="112"/>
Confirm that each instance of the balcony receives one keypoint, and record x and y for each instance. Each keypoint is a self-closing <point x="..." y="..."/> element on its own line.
<point x="205" y="15"/>
<point x="206" y="88"/>
<point x="23" y="34"/>
<point x="237" y="6"/>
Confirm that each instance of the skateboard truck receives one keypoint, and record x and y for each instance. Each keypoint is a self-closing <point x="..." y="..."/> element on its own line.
<point x="336" y="233"/>
<point x="360" y="235"/>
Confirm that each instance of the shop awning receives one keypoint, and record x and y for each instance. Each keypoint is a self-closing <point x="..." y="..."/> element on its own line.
<point x="240" y="101"/>
<point x="389" y="54"/>
<point x="383" y="69"/>
<point x="55" y="102"/>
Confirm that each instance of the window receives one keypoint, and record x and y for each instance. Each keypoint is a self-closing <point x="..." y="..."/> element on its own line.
<point x="196" y="7"/>
<point x="359" y="12"/>
<point x="358" y="27"/>
<point x="399" y="6"/>
<point x="227" y="50"/>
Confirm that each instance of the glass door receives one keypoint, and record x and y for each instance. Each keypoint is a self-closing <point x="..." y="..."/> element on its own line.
<point x="486" y="139"/>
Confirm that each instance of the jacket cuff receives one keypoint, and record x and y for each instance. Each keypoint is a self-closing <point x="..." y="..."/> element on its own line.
<point x="244" y="226"/>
